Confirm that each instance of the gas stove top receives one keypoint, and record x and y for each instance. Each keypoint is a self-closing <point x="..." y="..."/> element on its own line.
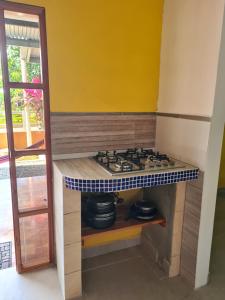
<point x="136" y="160"/>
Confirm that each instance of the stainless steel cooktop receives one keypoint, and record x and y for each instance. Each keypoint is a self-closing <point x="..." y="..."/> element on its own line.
<point x="136" y="160"/>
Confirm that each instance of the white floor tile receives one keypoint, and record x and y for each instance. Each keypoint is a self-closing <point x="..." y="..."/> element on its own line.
<point x="38" y="285"/>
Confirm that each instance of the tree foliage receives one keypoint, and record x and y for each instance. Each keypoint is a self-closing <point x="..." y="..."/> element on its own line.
<point x="15" y="75"/>
<point x="14" y="65"/>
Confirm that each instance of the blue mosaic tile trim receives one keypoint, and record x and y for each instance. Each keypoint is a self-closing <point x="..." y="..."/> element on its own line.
<point x="134" y="182"/>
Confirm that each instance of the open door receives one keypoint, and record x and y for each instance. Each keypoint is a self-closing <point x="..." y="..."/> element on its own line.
<point x="26" y="101"/>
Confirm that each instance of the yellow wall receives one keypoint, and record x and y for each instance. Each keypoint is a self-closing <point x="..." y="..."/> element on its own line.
<point x="103" y="57"/>
<point x="103" y="54"/>
<point x="222" y="164"/>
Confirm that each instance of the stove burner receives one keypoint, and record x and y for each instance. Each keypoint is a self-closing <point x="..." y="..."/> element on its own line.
<point x="112" y="159"/>
<point x="107" y="157"/>
<point x="134" y="160"/>
<point x="123" y="165"/>
<point x="126" y="166"/>
<point x="102" y="159"/>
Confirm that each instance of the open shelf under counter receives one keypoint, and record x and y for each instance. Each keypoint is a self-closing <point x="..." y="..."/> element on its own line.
<point x="120" y="224"/>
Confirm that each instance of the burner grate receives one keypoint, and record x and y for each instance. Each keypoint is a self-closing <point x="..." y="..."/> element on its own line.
<point x="135" y="160"/>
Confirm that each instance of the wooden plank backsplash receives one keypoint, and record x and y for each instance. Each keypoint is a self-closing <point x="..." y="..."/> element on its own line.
<point x="90" y="132"/>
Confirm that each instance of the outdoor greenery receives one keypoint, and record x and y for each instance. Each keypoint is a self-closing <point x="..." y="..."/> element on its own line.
<point x="20" y="98"/>
<point x="17" y="119"/>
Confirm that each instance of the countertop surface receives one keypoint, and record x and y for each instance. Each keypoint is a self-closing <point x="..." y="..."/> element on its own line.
<point x="88" y="169"/>
<point x="85" y="175"/>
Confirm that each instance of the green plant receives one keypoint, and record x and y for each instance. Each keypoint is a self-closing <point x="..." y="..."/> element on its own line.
<point x="21" y="98"/>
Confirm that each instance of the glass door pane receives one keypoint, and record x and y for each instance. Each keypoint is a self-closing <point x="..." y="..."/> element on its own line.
<point x="31" y="183"/>
<point x="34" y="238"/>
<point x="27" y="107"/>
<point x="23" y="47"/>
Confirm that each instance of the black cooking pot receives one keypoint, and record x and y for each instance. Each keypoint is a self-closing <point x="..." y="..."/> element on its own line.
<point x="101" y="221"/>
<point x="100" y="203"/>
<point x="144" y="207"/>
<point x="143" y="210"/>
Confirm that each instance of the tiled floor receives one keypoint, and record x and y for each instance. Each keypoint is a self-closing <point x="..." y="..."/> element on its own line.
<point x="34" y="229"/>
<point x="6" y="221"/>
<point x="39" y="285"/>
<point x="6" y="226"/>
<point x="123" y="275"/>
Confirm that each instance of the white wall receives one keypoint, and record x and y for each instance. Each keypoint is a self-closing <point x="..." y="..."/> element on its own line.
<point x="191" y="41"/>
<point x="211" y="172"/>
<point x="191" y="38"/>
<point x="184" y="139"/>
<point x="189" y="56"/>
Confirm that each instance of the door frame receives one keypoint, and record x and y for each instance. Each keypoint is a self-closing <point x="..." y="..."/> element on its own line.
<point x="14" y="154"/>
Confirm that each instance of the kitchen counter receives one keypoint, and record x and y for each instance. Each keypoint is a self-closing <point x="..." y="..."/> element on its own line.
<point x="74" y="176"/>
<point x="86" y="175"/>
